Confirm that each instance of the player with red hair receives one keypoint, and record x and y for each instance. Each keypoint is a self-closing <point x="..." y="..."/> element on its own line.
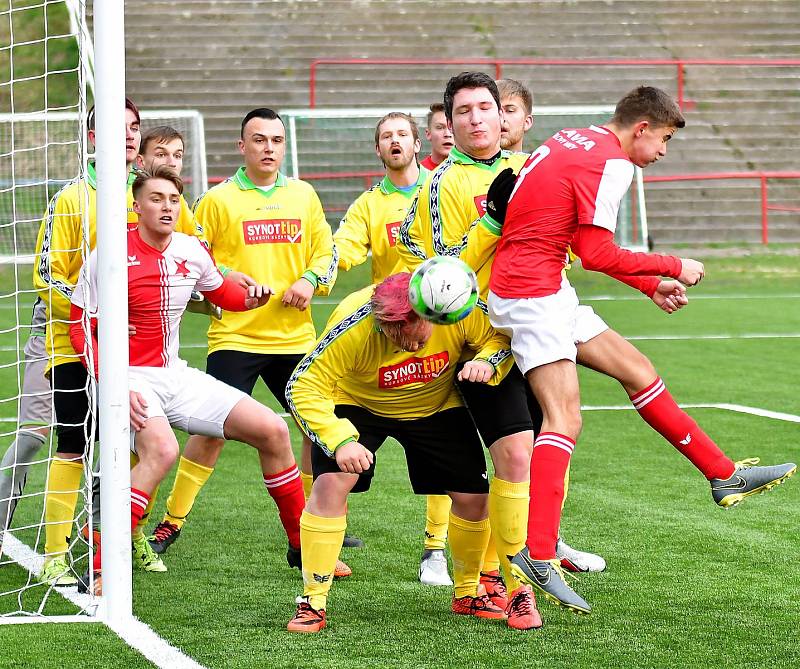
<point x="379" y="370"/>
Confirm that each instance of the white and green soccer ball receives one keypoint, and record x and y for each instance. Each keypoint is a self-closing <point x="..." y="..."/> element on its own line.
<point x="443" y="290"/>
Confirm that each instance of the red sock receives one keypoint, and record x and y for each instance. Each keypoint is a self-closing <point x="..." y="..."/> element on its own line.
<point x="139" y="502"/>
<point x="551" y="453"/>
<point x="286" y="489"/>
<point x="659" y="410"/>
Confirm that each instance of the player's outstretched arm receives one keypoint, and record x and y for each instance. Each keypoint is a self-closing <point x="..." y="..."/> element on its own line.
<point x="596" y="248"/>
<point x="231" y="296"/>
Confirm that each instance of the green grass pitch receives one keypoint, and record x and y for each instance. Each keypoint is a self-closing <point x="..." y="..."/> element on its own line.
<point x="688" y="584"/>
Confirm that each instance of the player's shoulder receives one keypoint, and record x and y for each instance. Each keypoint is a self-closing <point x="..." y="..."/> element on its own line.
<point x="184" y="244"/>
<point x="218" y="192"/>
<point x="513" y="159"/>
<point x="72" y="191"/>
<point x="295" y="185"/>
<point x="352" y="310"/>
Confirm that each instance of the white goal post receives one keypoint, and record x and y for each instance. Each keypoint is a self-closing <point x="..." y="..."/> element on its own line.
<point x="43" y="149"/>
<point x="332" y="148"/>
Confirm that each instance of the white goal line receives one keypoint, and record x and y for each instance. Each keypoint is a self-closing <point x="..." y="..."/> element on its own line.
<point x="133" y="631"/>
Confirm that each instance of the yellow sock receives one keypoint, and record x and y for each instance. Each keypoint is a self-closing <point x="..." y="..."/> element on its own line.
<point x="437" y="513"/>
<point x="189" y="480"/>
<point x="490" y="560"/>
<point x="321" y="540"/>
<point x="138" y="531"/>
<point x="308" y="481"/>
<point x="467" y="546"/>
<point x="508" y="511"/>
<point x="61" y="498"/>
<point x="566" y="487"/>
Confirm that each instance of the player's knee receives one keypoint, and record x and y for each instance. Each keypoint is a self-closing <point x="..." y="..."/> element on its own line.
<point x="272" y="433"/>
<point x="329" y="494"/>
<point x="471" y="507"/>
<point x="511" y="456"/>
<point x="161" y="454"/>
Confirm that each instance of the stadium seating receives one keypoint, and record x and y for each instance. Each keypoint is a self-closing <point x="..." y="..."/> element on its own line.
<point x="223" y="58"/>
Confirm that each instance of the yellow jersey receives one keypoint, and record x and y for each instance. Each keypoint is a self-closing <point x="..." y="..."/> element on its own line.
<point x="354" y="363"/>
<point x="372" y="223"/>
<point x="447" y="217"/>
<point x="276" y="236"/>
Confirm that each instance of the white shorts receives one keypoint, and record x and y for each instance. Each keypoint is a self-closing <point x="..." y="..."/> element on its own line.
<point x="189" y="399"/>
<point x="544" y="329"/>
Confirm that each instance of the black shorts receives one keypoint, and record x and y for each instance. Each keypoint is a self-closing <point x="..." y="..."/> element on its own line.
<point x="504" y="409"/>
<point x="443" y="451"/>
<point x="74" y="420"/>
<point x="241" y="370"/>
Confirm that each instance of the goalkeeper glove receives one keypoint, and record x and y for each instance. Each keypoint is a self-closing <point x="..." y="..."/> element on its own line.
<point x="498" y="195"/>
<point x="200" y="305"/>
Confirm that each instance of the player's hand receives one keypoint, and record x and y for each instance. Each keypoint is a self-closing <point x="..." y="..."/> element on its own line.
<point x="241" y="278"/>
<point x="670" y="296"/>
<point x="691" y="272"/>
<point x="299" y="294"/>
<point x="257" y="296"/>
<point x="353" y="458"/>
<point x="138" y="411"/>
<point x="499" y="192"/>
<point x="477" y="371"/>
<point x="131" y="330"/>
<point x="198" y="304"/>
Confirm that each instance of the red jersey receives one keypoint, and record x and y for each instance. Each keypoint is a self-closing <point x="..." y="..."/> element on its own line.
<point x="428" y="163"/>
<point x="159" y="287"/>
<point x="577" y="177"/>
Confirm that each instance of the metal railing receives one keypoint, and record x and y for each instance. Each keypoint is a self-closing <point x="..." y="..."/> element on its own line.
<point x="762" y="177"/>
<point x="680" y="65"/>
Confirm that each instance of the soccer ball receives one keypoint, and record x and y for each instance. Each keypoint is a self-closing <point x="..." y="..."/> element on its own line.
<point x="443" y="290"/>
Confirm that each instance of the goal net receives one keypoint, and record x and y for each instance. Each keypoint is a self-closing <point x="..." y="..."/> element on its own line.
<point x="39" y="154"/>
<point x="44" y="100"/>
<point x="334" y="150"/>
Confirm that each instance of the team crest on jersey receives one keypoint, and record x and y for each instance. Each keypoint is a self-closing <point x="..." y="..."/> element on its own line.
<point x="272" y="231"/>
<point x="413" y="370"/>
<point x="392" y="232"/>
<point x="132" y="261"/>
<point x="181" y="268"/>
<point x="480" y="204"/>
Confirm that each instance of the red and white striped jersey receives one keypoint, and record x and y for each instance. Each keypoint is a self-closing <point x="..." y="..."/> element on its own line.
<point x="577" y="177"/>
<point x="159" y="287"/>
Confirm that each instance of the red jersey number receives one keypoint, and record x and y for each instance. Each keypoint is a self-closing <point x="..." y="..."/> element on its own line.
<point x="534" y="159"/>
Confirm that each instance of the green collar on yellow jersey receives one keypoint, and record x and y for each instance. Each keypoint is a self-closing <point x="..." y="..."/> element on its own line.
<point x="243" y="181"/>
<point x="387" y="187"/>
<point x="91" y="176"/>
<point x="463" y="159"/>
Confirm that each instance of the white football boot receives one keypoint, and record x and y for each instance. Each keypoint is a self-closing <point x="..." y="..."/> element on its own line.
<point x="575" y="560"/>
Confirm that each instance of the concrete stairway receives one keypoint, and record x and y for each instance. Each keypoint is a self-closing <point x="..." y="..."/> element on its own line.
<point x="224" y="58"/>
